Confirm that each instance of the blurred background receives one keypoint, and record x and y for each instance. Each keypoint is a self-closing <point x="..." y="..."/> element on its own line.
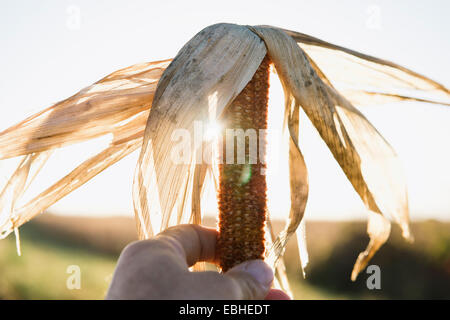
<point x="52" y="49"/>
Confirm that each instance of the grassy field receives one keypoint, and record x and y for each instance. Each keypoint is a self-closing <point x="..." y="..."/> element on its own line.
<point x="50" y="244"/>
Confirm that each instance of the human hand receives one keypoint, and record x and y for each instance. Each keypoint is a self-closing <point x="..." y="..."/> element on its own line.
<point x="158" y="269"/>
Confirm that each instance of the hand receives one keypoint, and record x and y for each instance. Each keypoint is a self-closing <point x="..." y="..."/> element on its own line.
<point x="158" y="269"/>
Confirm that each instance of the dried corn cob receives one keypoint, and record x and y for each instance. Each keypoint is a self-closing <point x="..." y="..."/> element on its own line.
<point x="242" y="186"/>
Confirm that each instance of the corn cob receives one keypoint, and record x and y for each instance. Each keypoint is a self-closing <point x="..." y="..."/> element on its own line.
<point x="242" y="186"/>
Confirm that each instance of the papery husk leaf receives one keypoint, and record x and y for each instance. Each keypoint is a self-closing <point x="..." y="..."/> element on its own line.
<point x="185" y="194"/>
<point x="16" y="186"/>
<point x="299" y="188"/>
<point x="378" y="229"/>
<point x="206" y="75"/>
<point x="76" y="178"/>
<point x="298" y="176"/>
<point x="369" y="98"/>
<point x="368" y="161"/>
<point x="191" y="195"/>
<point x="117" y="104"/>
<point x="280" y="275"/>
<point x="197" y="192"/>
<point x="365" y="80"/>
<point x="302" y="246"/>
<point x="94" y="111"/>
<point x="22" y="177"/>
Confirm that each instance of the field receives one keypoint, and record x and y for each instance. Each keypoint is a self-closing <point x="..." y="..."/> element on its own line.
<point x="50" y="244"/>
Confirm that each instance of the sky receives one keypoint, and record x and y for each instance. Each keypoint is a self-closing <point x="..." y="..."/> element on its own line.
<point x="49" y="50"/>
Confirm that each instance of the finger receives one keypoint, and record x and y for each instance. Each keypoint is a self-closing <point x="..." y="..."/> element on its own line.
<point x="254" y="278"/>
<point x="192" y="243"/>
<point x="276" y="294"/>
<point x="161" y="262"/>
<point x="250" y="280"/>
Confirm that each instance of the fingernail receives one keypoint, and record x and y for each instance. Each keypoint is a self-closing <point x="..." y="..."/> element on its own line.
<point x="257" y="269"/>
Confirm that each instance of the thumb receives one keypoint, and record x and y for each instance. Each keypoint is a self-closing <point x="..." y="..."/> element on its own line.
<point x="253" y="279"/>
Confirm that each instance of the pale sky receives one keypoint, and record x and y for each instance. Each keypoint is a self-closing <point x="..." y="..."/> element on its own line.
<point x="49" y="50"/>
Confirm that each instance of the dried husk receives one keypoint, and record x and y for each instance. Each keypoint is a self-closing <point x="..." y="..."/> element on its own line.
<point x="117" y="105"/>
<point x="372" y="168"/>
<point x="361" y="77"/>
<point x="206" y="75"/>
